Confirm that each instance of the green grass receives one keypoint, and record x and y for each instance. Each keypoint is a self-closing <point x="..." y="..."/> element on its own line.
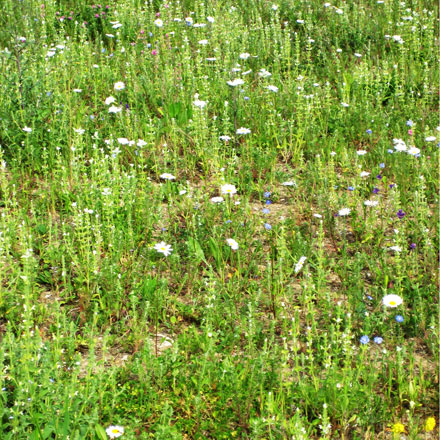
<point x="99" y="328"/>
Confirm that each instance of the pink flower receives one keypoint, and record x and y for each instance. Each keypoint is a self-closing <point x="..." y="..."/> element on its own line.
<point x="410" y="132"/>
<point x="154" y="52"/>
<point x="157" y="14"/>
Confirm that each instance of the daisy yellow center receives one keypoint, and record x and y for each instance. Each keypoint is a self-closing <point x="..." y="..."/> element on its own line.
<point x="392" y="303"/>
<point x="115" y="431"/>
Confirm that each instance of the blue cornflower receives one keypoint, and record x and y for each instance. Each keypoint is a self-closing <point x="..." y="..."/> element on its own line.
<point x="265" y="211"/>
<point x="369" y="131"/>
<point x="267" y="194"/>
<point x="364" y="340"/>
<point x="399" y="318"/>
<point x="268" y="226"/>
<point x="378" y="340"/>
<point x="409" y="123"/>
<point x="268" y="202"/>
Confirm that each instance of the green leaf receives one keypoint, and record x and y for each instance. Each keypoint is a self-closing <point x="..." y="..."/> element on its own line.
<point x="100" y="432"/>
<point x="196" y="250"/>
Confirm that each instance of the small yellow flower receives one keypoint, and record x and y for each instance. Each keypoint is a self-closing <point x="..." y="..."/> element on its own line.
<point x="430" y="424"/>
<point x="398" y="428"/>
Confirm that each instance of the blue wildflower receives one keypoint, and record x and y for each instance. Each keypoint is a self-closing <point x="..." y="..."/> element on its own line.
<point x="381" y="165"/>
<point x="351" y="188"/>
<point x="265" y="211"/>
<point x="399" y="318"/>
<point x="364" y="340"/>
<point x="268" y="226"/>
<point x="369" y="131"/>
<point x="267" y="194"/>
<point x="409" y="123"/>
<point x="378" y="340"/>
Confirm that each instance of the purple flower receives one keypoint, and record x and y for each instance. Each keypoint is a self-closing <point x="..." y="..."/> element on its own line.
<point x="401" y="214"/>
<point x="364" y="340"/>
<point x="399" y="318"/>
<point x="412" y="246"/>
<point x="379" y="176"/>
<point x="267" y="194"/>
<point x="391" y="185"/>
<point x="375" y="190"/>
<point x="378" y="340"/>
<point x="268" y="202"/>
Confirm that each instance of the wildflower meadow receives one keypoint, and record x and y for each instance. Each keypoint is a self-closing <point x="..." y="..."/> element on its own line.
<point x="219" y="219"/>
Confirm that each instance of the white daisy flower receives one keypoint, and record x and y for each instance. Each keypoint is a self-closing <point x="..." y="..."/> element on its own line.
<point x="232" y="243"/>
<point x="244" y="56"/>
<point x="430" y="139"/>
<point x="167" y="176"/>
<point x="114" y="109"/>
<point x="158" y="22"/>
<point x="163" y="248"/>
<point x="243" y="130"/>
<point x="27" y="129"/>
<point x="263" y="73"/>
<point x="371" y="203"/>
<point x="199" y="103"/>
<point x="395" y="248"/>
<point x="413" y="151"/>
<point x="344" y="211"/>
<point x="123" y="141"/>
<point x="361" y="152"/>
<point x="119" y="85"/>
<point x="235" y="82"/>
<point x="114" y="431"/>
<point x="364" y="174"/>
<point x="272" y="88"/>
<point x="228" y="189"/>
<point x="110" y="100"/>
<point x="300" y="264"/>
<point x="217" y="200"/>
<point x="392" y="300"/>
